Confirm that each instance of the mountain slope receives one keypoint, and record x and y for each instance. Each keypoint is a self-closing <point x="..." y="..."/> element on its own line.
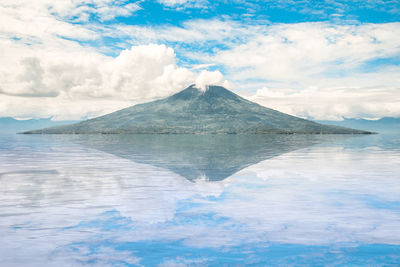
<point x="192" y="111"/>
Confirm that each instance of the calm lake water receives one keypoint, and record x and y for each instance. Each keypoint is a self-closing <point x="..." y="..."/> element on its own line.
<point x="176" y="200"/>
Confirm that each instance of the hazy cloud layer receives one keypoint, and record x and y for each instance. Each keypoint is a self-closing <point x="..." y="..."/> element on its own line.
<point x="333" y="103"/>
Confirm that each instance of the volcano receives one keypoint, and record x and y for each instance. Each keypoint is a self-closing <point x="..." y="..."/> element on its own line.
<point x="215" y="110"/>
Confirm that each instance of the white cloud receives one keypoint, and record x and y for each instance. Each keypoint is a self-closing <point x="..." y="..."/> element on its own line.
<point x="211" y="78"/>
<point x="173" y="2"/>
<point x="332" y="103"/>
<point x="77" y="10"/>
<point x="183" y="4"/>
<point x="201" y="66"/>
<point x="291" y="59"/>
<point x="144" y="72"/>
<point x="295" y="58"/>
<point x="45" y="71"/>
<point x="299" y="52"/>
<point x="209" y="33"/>
<point x="78" y="83"/>
<point x="33" y="21"/>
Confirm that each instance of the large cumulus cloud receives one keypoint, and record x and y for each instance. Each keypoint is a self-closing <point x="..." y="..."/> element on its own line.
<point x="74" y="84"/>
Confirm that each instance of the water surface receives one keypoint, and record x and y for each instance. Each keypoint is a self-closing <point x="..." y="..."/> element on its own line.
<point x="199" y="200"/>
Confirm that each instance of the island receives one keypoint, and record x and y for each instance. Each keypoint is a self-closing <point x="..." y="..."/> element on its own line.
<point x="213" y="110"/>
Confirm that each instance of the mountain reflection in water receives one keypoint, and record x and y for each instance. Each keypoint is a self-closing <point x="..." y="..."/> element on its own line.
<point x="207" y="157"/>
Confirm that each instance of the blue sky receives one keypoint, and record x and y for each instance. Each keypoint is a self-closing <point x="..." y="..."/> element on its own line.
<point x="176" y="12"/>
<point x="314" y="59"/>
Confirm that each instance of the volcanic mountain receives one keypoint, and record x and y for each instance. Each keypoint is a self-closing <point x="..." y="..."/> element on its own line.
<point x="215" y="110"/>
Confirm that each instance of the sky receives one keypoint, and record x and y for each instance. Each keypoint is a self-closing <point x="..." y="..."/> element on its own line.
<point x="77" y="59"/>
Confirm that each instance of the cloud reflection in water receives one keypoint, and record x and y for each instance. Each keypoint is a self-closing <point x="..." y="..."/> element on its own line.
<point x="109" y="200"/>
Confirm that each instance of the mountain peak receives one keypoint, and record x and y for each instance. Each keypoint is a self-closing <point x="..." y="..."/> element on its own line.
<point x="212" y="91"/>
<point x="205" y="88"/>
